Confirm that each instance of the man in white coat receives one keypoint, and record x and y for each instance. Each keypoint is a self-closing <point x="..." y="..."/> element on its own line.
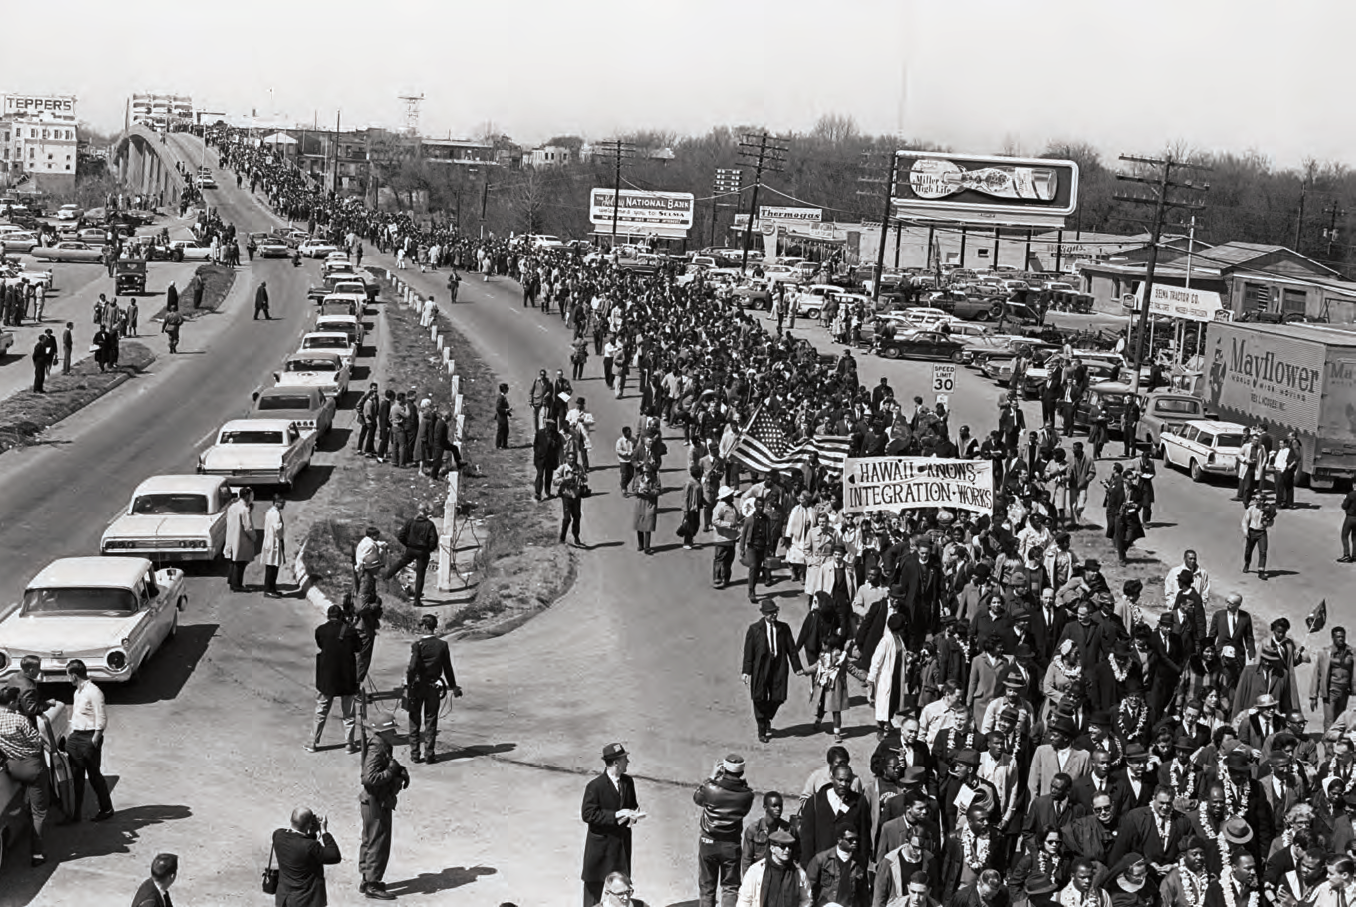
<point x="274" y="547"/>
<point x="239" y="547"/>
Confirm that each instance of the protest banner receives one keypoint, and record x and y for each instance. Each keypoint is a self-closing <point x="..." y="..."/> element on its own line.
<point x="915" y="483"/>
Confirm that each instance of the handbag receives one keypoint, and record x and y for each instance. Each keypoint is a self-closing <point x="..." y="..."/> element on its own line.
<point x="270" y="879"/>
<point x="584" y="490"/>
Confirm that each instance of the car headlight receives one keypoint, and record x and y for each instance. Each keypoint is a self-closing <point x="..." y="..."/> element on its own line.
<point x="117" y="661"/>
<point x="4" y="661"/>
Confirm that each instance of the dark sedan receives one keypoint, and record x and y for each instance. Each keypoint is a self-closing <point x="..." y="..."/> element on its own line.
<point x="920" y="345"/>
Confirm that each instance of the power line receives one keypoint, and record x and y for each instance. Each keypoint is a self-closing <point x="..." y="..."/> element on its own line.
<point x="767" y="156"/>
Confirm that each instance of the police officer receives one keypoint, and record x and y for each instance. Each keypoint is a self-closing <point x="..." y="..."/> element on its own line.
<point x="430" y="662"/>
<point x="383" y="780"/>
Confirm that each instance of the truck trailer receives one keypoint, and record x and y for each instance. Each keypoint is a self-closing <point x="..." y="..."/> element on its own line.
<point x="1289" y="377"/>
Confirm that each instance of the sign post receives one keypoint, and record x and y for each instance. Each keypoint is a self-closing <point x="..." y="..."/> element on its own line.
<point x="943" y="377"/>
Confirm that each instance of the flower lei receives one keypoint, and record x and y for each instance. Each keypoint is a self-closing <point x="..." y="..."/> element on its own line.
<point x="1129" y="705"/>
<point x="1235" y="798"/>
<point x="1045" y="864"/>
<point x="976" y="850"/>
<point x="1071" y="673"/>
<point x="1183" y="778"/>
<point x="1193" y="886"/>
<point x="951" y="739"/>
<point x="1116" y="670"/>
<point x="1220" y="842"/>
<point x="1226" y="887"/>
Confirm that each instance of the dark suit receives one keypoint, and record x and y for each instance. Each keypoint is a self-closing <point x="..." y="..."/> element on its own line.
<point x="29" y="702"/>
<point x="1138" y="833"/>
<point x="1042" y="812"/>
<point x="607" y="846"/>
<point x="336" y="676"/>
<point x="383" y="777"/>
<point x="430" y="661"/>
<point x="820" y="826"/>
<point x="1166" y="661"/>
<point x="1045" y="633"/>
<point x="922" y="587"/>
<point x="301" y="863"/>
<point x="1245" y="648"/>
<point x="769" y="672"/>
<point x="1084" y="789"/>
<point x="1135" y="800"/>
<point x="148" y="895"/>
<point x="953" y="860"/>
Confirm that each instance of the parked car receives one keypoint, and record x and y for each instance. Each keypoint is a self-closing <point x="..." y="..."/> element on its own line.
<point x="259" y="452"/>
<point x="6" y="341"/>
<point x="343" y="323"/>
<point x="69" y="212"/>
<point x="323" y="369"/>
<point x="17" y="241"/>
<point x="1114" y="396"/>
<point x="273" y="246"/>
<point x="190" y="250"/>
<point x="331" y="342"/>
<point x="1203" y="447"/>
<point x="336" y="304"/>
<point x="315" y="248"/>
<point x="305" y="407"/>
<point x="92" y="234"/>
<point x="920" y="345"/>
<point x="174" y="518"/>
<point x="53" y="725"/>
<point x="112" y="613"/>
<point x="1164" y="411"/>
<point x="754" y="294"/>
<point x="70" y="252"/>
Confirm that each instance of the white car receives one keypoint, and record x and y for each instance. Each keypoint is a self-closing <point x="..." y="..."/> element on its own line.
<point x="323" y="369"/>
<point x="69" y="212"/>
<point x="112" y="613"/>
<point x="1203" y="446"/>
<point x="179" y="518"/>
<point x="810" y="300"/>
<point x="345" y="324"/>
<point x="192" y="249"/>
<point x="781" y="274"/>
<point x="18" y="242"/>
<point x="315" y="248"/>
<point x="259" y="452"/>
<point x="543" y="241"/>
<point x="924" y="317"/>
<point x="330" y="342"/>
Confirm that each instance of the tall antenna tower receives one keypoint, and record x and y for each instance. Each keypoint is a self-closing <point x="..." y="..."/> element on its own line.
<point x="411" y="103"/>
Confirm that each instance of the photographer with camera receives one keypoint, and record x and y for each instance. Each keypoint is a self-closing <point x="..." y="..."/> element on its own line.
<point x="725" y="799"/>
<point x="430" y="666"/>
<point x="383" y="780"/>
<point x="302" y="853"/>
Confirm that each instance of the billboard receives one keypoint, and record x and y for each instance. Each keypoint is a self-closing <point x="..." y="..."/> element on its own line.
<point x="637" y="209"/>
<point x="972" y="188"/>
<point x="1266" y="375"/>
<point x="30" y="105"/>
<point x="1180" y="302"/>
<point x="915" y="483"/>
<point x="781" y="215"/>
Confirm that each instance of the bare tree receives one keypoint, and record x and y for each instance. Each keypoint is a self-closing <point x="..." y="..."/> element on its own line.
<point x="834" y="128"/>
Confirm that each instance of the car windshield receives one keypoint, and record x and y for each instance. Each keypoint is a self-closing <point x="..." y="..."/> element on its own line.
<point x="251" y="436"/>
<point x="81" y="600"/>
<point x="327" y="343"/>
<point x="312" y="365"/>
<point x="170" y="503"/>
<point x="1228" y="440"/>
<point x="1178" y="407"/>
<point x="300" y="401"/>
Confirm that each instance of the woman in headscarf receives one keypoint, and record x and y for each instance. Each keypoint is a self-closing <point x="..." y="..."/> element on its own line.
<point x="1127" y="882"/>
<point x="819" y="552"/>
<point x="1063" y="677"/>
<point x="886" y="678"/>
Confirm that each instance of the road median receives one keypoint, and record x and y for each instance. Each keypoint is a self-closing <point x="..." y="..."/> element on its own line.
<point x="26" y="415"/>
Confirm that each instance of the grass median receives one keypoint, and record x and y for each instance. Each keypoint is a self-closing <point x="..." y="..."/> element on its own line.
<point x="26" y="415"/>
<point x="217" y="281"/>
<point x="519" y="568"/>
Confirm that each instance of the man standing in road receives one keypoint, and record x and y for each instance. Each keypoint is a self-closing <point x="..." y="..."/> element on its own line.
<point x="303" y="851"/>
<point x="420" y="538"/>
<point x="29" y="703"/>
<point x="274" y="546"/>
<point x="502" y="411"/>
<point x="725" y="799"/>
<point x="769" y="655"/>
<point x="367" y="420"/>
<point x="1257" y="519"/>
<point x="1082" y="471"/>
<point x="430" y="664"/>
<point x="383" y="780"/>
<point x="756" y="540"/>
<point x="39" y="364"/>
<point x="239" y="548"/>
<point x="67" y="344"/>
<point x="610" y="810"/>
<point x="1231" y="629"/>
<point x="545" y="457"/>
<point x="1348" y="531"/>
<point x="725" y="527"/>
<point x="384" y="425"/>
<point x="1332" y="677"/>
<point x="261" y="301"/>
<point x="540" y="399"/>
<point x="85" y="745"/>
<point x="154" y="892"/>
<point x="336" y="676"/>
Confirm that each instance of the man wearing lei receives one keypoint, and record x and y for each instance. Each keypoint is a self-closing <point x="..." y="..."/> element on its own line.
<point x="1237" y="887"/>
<point x="1185" y="884"/>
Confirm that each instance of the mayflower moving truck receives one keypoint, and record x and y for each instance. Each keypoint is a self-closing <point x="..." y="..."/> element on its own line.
<point x="1292" y="377"/>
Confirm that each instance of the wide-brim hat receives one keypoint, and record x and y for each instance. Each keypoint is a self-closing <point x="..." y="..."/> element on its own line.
<point x="1266" y="701"/>
<point x="781" y="836"/>
<point x="1135" y="752"/>
<point x="768" y="606"/>
<point x="381" y="725"/>
<point x="725" y="492"/>
<point x="1037" y="885"/>
<point x="1237" y="831"/>
<point x="1238" y="760"/>
<point x="966" y="757"/>
<point x="1014" y="681"/>
<point x="913" y="775"/>
<point x="1064" y="726"/>
<point x="1269" y="652"/>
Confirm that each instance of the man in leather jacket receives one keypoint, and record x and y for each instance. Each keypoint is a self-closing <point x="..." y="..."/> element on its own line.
<point x="725" y="799"/>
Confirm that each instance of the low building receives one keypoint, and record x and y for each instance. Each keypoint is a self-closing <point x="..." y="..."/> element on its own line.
<point x="38" y="140"/>
<point x="547" y="156"/>
<point x="456" y="151"/>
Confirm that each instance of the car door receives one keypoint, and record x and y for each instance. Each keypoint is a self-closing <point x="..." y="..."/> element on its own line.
<point x="216" y="527"/>
<point x="147" y="634"/>
<point x="1176" y="445"/>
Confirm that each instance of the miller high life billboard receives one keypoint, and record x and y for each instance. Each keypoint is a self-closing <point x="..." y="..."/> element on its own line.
<point x="970" y="188"/>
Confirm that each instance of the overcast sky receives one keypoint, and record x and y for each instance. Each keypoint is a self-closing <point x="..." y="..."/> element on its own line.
<point x="973" y="74"/>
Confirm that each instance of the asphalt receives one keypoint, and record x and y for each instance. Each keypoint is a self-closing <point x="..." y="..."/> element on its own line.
<point x="206" y="746"/>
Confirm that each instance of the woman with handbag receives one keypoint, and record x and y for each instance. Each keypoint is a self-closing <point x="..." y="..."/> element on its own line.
<point x="646" y="493"/>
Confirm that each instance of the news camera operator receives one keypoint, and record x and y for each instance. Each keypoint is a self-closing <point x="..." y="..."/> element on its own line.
<point x="302" y="852"/>
<point x="725" y="799"/>
<point x="430" y="666"/>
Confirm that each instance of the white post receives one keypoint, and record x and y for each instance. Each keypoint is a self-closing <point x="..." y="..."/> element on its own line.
<point x="456" y="386"/>
<point x="433" y="333"/>
<point x="461" y="428"/>
<point x="447" y="358"/>
<point x="446" y="554"/>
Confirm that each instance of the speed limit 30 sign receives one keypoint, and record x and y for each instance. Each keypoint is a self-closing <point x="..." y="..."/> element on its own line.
<point x="943" y="377"/>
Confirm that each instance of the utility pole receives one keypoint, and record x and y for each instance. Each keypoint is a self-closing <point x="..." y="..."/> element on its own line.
<point x="1162" y="201"/>
<point x="334" y="185"/>
<point x="1330" y="232"/>
<point x="619" y="151"/>
<point x="889" y="183"/>
<point x="767" y="156"/>
<point x="1299" y="219"/>
<point x="729" y="181"/>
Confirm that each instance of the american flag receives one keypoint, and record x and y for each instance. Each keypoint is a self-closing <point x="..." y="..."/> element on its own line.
<point x="764" y="446"/>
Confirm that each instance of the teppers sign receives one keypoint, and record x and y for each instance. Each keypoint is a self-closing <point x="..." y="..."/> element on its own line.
<point x="915" y="483"/>
<point x="637" y="208"/>
<point x="39" y="104"/>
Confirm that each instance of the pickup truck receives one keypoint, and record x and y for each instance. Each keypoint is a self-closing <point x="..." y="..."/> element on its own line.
<point x="1165" y="411"/>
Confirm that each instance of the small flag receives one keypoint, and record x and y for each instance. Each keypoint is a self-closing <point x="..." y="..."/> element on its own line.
<point x="1317" y="617"/>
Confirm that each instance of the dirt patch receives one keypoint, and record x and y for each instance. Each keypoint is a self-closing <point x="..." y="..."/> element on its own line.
<point x="520" y="567"/>
<point x="217" y="282"/>
<point x="25" y="415"/>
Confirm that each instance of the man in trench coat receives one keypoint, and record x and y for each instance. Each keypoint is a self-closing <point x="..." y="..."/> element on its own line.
<point x="239" y="547"/>
<point x="769" y="655"/>
<point x="611" y="810"/>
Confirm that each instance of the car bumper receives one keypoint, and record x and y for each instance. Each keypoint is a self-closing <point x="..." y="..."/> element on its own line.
<point x="238" y="477"/>
<point x="53" y="669"/>
<point x="157" y="550"/>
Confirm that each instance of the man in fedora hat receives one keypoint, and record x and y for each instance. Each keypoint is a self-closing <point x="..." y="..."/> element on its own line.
<point x="725" y="531"/>
<point x="1259" y="722"/>
<point x="1057" y="756"/>
<point x="769" y="656"/>
<point x="610" y="810"/>
<point x="776" y="880"/>
<point x="1245" y="800"/>
<point x="1269" y="676"/>
<point x="383" y="779"/>
<point x="962" y="788"/>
